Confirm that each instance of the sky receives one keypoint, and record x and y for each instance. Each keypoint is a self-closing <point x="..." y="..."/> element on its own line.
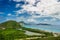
<point x="30" y="11"/>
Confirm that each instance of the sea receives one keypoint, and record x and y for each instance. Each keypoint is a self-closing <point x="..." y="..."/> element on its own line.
<point x="49" y="28"/>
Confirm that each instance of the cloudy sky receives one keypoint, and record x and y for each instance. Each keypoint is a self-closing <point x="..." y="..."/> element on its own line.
<point x="30" y="11"/>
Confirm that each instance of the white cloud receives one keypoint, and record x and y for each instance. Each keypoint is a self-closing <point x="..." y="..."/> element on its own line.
<point x="17" y="0"/>
<point x="19" y="12"/>
<point x="57" y="16"/>
<point x="20" y="19"/>
<point x="31" y="20"/>
<point x="31" y="2"/>
<point x="27" y="20"/>
<point x="9" y="14"/>
<point x="17" y="5"/>
<point x="10" y="19"/>
<point x="45" y="8"/>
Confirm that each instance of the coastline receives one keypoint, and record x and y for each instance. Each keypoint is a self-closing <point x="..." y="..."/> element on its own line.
<point x="43" y="29"/>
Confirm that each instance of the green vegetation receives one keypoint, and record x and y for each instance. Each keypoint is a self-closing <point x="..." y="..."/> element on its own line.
<point x="48" y="38"/>
<point x="11" y="34"/>
<point x="39" y="31"/>
<point x="10" y="24"/>
<point x="10" y="31"/>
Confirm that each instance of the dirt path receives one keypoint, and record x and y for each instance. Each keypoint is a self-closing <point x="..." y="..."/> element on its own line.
<point x="30" y="38"/>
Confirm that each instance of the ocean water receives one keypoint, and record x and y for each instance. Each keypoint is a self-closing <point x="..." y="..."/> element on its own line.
<point x="50" y="28"/>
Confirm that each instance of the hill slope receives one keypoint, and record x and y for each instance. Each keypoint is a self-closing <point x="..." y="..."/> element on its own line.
<point x="10" y="24"/>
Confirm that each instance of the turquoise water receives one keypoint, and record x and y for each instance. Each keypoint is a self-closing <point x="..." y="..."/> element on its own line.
<point x="50" y="28"/>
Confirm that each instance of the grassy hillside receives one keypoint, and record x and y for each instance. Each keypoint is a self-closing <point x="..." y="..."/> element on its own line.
<point x="11" y="32"/>
<point x="10" y="24"/>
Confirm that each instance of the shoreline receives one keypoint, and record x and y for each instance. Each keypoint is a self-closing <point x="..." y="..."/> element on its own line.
<point x="44" y="30"/>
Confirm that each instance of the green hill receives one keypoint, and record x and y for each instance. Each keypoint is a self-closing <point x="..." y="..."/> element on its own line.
<point x="10" y="24"/>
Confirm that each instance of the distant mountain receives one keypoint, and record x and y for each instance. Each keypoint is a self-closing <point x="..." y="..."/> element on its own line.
<point x="10" y="24"/>
<point x="34" y="23"/>
<point x="43" y="24"/>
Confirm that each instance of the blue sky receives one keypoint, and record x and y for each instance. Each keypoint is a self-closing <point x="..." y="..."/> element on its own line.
<point x="6" y="8"/>
<point x="30" y="11"/>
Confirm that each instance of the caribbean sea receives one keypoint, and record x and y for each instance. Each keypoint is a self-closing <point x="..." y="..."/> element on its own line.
<point x="50" y="28"/>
